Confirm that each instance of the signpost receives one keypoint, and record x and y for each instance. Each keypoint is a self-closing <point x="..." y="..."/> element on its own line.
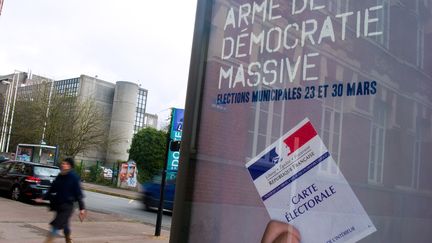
<point x="172" y="159"/>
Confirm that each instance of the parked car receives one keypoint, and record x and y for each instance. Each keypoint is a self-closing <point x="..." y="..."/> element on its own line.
<point x="3" y="159"/>
<point x="151" y="194"/>
<point x="26" y="180"/>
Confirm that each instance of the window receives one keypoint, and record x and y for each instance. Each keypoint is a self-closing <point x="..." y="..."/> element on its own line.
<point x="28" y="170"/>
<point x="377" y="144"/>
<point x="266" y="125"/>
<point x="140" y="110"/>
<point x="331" y="127"/>
<point x="422" y="129"/>
<point x="67" y="87"/>
<point x="383" y="23"/>
<point x="46" y="171"/>
<point x="417" y="158"/>
<point x="18" y="168"/>
<point x="338" y="6"/>
<point x="4" y="166"/>
<point x="420" y="45"/>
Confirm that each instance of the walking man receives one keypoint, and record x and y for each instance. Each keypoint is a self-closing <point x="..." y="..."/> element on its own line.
<point x="64" y="192"/>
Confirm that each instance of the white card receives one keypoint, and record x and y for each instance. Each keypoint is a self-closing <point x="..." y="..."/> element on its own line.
<point x="300" y="184"/>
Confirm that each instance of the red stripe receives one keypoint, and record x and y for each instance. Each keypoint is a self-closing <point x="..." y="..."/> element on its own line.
<point x="300" y="137"/>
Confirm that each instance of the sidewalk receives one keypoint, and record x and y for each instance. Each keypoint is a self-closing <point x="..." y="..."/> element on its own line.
<point x="21" y="222"/>
<point x="118" y="192"/>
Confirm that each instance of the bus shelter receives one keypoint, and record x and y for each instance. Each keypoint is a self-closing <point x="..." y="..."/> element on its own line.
<point x="38" y="153"/>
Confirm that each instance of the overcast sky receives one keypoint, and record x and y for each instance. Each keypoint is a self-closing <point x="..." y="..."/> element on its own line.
<point x="143" y="41"/>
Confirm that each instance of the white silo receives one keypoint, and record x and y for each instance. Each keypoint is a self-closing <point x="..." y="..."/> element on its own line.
<point x="122" y="120"/>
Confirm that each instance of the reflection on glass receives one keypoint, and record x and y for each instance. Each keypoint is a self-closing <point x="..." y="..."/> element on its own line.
<point x="380" y="136"/>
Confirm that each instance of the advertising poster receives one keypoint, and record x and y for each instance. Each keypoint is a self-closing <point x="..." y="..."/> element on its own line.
<point x="131" y="174"/>
<point x="174" y="148"/>
<point x="358" y="74"/>
<point x="24" y="154"/>
<point x="128" y="174"/>
<point x="287" y="178"/>
<point x="123" y="175"/>
<point x="177" y="124"/>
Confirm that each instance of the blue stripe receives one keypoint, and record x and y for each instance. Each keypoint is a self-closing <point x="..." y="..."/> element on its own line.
<point x="295" y="176"/>
<point x="265" y="163"/>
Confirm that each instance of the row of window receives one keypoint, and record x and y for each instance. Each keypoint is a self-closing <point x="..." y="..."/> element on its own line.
<point x="69" y="87"/>
<point x="269" y="117"/>
<point x="383" y="24"/>
<point x="140" y="109"/>
<point x="266" y="126"/>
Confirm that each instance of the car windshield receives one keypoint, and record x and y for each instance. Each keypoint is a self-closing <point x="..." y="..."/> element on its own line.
<point x="46" y="171"/>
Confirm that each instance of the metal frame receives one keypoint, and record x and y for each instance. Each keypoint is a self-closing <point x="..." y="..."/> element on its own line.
<point x="186" y="173"/>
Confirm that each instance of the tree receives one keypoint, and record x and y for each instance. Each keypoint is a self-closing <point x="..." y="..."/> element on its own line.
<point x="76" y="126"/>
<point x="29" y="115"/>
<point x="148" y="151"/>
<point x="73" y="124"/>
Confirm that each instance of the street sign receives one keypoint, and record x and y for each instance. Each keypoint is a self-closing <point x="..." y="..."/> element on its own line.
<point x="176" y="129"/>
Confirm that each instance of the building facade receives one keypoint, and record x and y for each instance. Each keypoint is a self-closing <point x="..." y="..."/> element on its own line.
<point x="122" y="104"/>
<point x="151" y="120"/>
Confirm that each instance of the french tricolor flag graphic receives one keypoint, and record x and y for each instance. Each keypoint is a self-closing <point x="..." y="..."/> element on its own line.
<point x="300" y="137"/>
<point x="266" y="162"/>
<point x="291" y="143"/>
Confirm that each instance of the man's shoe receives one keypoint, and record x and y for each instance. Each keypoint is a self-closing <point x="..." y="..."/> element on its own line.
<point x="68" y="239"/>
<point x="49" y="239"/>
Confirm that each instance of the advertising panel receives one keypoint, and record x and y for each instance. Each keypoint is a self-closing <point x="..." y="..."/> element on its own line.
<point x="357" y="74"/>
<point x="24" y="154"/>
<point x="128" y="174"/>
<point x="177" y="124"/>
<point x="174" y="146"/>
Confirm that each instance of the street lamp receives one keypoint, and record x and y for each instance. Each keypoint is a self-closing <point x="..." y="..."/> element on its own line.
<point x="5" y="113"/>
<point x="47" y="113"/>
<point x="10" y="103"/>
<point x="9" y="110"/>
<point x="13" y="106"/>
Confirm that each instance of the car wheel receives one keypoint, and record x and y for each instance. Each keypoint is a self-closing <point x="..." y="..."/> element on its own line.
<point x="146" y="207"/>
<point x="16" y="193"/>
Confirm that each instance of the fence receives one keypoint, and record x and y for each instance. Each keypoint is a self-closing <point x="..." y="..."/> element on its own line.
<point x="98" y="172"/>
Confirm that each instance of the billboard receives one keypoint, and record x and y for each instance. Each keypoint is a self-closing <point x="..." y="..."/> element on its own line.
<point x="359" y="72"/>
<point x="128" y="174"/>
<point x="176" y="129"/>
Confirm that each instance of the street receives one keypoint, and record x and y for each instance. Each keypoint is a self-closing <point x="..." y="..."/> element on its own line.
<point x="128" y="208"/>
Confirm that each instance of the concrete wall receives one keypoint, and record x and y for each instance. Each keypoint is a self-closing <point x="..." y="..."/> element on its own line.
<point x="102" y="93"/>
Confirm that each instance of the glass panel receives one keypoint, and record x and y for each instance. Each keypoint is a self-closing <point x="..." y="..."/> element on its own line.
<point x="276" y="126"/>
<point x="46" y="171"/>
<point x="373" y="57"/>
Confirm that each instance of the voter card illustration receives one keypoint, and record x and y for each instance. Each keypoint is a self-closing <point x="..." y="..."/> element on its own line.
<point x="300" y="184"/>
